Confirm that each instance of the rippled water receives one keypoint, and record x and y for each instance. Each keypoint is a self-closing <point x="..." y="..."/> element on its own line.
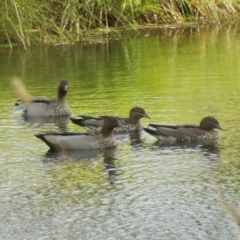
<point x="141" y="190"/>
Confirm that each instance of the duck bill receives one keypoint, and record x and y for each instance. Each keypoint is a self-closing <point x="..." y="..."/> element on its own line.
<point x="146" y="116"/>
<point x="219" y="127"/>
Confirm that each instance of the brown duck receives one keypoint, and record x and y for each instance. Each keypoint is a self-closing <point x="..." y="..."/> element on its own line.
<point x="187" y="132"/>
<point x="82" y="141"/>
<point x="45" y="107"/>
<point x="94" y="124"/>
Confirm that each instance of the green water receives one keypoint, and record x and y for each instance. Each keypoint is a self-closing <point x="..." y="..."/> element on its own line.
<point x="141" y="191"/>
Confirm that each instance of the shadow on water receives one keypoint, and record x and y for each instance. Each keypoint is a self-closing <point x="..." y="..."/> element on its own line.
<point x="60" y="121"/>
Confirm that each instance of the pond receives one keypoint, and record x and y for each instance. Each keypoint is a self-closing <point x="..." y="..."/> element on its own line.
<point x="142" y="190"/>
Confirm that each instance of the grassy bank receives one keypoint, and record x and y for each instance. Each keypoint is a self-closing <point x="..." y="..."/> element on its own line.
<point x="67" y="21"/>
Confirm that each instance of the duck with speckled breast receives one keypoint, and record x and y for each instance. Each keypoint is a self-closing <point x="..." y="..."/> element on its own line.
<point x="45" y="107"/>
<point x="58" y="141"/>
<point x="186" y="132"/>
<point x="131" y="123"/>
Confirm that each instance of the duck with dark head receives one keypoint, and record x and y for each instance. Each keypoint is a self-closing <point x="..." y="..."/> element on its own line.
<point x="131" y="123"/>
<point x="58" y="141"/>
<point x="186" y="132"/>
<point x="46" y="107"/>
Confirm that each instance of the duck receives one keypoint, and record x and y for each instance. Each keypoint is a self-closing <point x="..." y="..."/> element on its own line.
<point x="187" y="132"/>
<point x="131" y="123"/>
<point x="46" y="107"/>
<point x="58" y="141"/>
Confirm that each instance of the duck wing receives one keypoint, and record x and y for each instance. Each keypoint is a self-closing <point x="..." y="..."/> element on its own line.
<point x="173" y="126"/>
<point x="176" y="131"/>
<point x="43" y="100"/>
<point x="69" y="140"/>
<point x="95" y="122"/>
<point x="22" y="107"/>
<point x="87" y="121"/>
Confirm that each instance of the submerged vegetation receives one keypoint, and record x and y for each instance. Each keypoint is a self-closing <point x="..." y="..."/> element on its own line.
<point x="66" y="21"/>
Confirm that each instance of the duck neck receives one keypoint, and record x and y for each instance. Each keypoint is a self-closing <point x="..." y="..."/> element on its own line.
<point x="106" y="132"/>
<point x="61" y="94"/>
<point x="134" y="119"/>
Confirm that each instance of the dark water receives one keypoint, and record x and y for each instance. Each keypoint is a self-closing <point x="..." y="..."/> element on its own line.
<point x="142" y="190"/>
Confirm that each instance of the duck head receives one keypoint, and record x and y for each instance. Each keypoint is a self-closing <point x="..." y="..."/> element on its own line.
<point x="109" y="124"/>
<point x="137" y="113"/>
<point x="62" y="89"/>
<point x="209" y="123"/>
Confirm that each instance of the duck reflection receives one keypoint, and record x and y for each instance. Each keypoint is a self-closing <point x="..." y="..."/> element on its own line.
<point x="210" y="149"/>
<point x="109" y="158"/>
<point x="60" y="121"/>
<point x="135" y="139"/>
<point x="107" y="154"/>
<point x="58" y="156"/>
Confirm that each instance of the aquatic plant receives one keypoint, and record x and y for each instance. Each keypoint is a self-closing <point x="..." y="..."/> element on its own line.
<point x="68" y="21"/>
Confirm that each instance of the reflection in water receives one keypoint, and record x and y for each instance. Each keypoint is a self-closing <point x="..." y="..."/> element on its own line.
<point x="160" y="192"/>
<point x="78" y="155"/>
<point x="53" y="156"/>
<point x="135" y="139"/>
<point x="210" y="149"/>
<point x="109" y="158"/>
<point x="60" y="121"/>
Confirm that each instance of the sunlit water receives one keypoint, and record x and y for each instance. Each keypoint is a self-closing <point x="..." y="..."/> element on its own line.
<point x="141" y="190"/>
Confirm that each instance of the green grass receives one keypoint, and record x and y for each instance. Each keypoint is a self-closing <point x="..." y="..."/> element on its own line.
<point x="27" y="22"/>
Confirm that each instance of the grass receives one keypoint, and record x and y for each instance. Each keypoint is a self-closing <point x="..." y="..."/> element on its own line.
<point x="27" y="22"/>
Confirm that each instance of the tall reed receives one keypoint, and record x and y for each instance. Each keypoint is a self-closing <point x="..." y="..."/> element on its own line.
<point x="66" y="21"/>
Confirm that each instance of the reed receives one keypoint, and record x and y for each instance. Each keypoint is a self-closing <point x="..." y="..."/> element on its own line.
<point x="58" y="22"/>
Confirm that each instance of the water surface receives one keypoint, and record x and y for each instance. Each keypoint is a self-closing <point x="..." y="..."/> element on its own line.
<point x="141" y="190"/>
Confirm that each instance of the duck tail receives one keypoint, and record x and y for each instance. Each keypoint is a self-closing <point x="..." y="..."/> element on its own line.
<point x="19" y="109"/>
<point x="151" y="132"/>
<point x="78" y="121"/>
